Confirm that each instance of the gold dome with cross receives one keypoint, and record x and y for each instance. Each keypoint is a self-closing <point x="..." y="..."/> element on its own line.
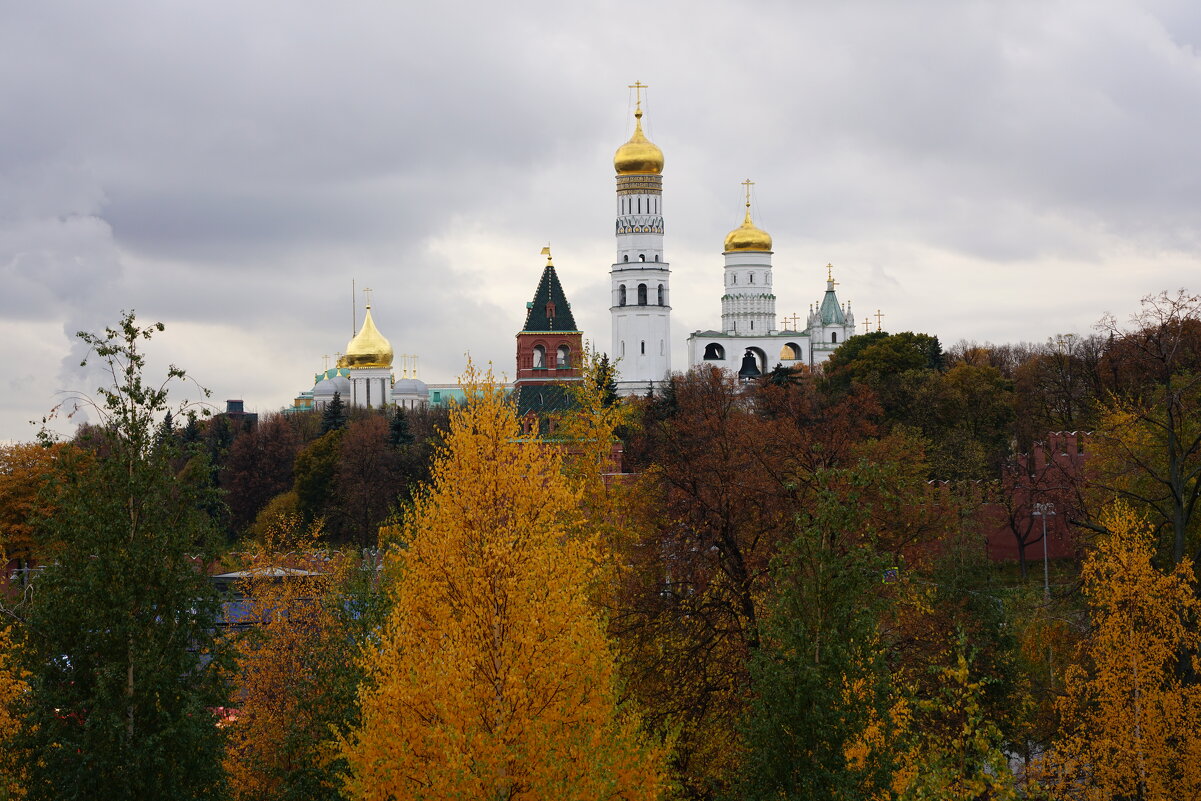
<point x="639" y="156"/>
<point x="748" y="236"/>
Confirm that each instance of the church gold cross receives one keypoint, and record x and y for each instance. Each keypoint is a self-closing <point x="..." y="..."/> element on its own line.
<point x="867" y="325"/>
<point x="748" y="183"/>
<point x="638" y="86"/>
<point x="367" y="294"/>
<point x="830" y="274"/>
<point x="878" y="317"/>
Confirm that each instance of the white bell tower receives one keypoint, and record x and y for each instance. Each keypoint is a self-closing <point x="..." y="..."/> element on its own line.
<point x="640" y="307"/>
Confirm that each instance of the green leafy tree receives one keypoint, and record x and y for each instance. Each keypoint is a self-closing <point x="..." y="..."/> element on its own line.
<point x="1147" y="450"/>
<point x="820" y="680"/>
<point x="123" y="663"/>
<point x="315" y="470"/>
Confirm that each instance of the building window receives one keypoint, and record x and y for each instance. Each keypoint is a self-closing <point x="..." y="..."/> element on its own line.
<point x="833" y="336"/>
<point x="752" y="325"/>
<point x="715" y="352"/>
<point x="656" y="257"/>
<point x="661" y="303"/>
<point x="752" y="278"/>
<point x="621" y="295"/>
<point x="642" y="294"/>
<point x="641" y="257"/>
<point x="539" y="357"/>
<point x="626" y="257"/>
<point x="644" y="347"/>
<point x="734" y="278"/>
<point x="563" y="357"/>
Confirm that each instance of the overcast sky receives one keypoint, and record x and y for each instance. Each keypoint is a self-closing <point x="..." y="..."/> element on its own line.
<point x="992" y="171"/>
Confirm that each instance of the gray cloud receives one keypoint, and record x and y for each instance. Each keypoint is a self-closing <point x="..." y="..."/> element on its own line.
<point x="981" y="170"/>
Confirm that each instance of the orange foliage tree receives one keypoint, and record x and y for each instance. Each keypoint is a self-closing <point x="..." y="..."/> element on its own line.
<point x="1130" y="724"/>
<point x="493" y="678"/>
<point x="13" y="686"/>
<point x="26" y="470"/>
<point x="296" y="673"/>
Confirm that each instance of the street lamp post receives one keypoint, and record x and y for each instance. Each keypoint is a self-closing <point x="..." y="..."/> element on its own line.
<point x="1044" y="510"/>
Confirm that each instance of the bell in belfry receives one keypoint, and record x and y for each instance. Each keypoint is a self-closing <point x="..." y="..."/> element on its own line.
<point x="750" y="366"/>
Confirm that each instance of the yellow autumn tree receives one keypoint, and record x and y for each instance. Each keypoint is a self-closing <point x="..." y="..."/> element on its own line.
<point x="1131" y="727"/>
<point x="493" y="678"/>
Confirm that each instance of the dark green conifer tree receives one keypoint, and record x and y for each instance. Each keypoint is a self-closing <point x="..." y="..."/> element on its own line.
<point x="398" y="428"/>
<point x="334" y="415"/>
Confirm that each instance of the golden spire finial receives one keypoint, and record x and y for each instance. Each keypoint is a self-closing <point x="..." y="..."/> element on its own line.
<point x="748" y="183"/>
<point x="878" y="316"/>
<point x="367" y="294"/>
<point x="546" y="252"/>
<point x="325" y="357"/>
<point x="829" y="271"/>
<point x="638" y="86"/>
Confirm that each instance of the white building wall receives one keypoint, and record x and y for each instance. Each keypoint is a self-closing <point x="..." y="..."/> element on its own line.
<point x="370" y="387"/>
<point x="641" y="346"/>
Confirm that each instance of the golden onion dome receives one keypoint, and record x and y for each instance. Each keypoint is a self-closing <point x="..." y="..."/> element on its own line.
<point x="369" y="348"/>
<point x="639" y="156"/>
<point x="747" y="236"/>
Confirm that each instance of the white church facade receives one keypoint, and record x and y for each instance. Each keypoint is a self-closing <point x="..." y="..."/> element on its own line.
<point x="640" y="279"/>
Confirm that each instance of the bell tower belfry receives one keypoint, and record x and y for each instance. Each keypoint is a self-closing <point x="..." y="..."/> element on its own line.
<point x="640" y="306"/>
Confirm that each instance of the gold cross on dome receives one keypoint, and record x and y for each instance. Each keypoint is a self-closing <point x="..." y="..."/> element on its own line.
<point x="878" y="317"/>
<point x="325" y="356"/>
<point x="638" y="86"/>
<point x="748" y="183"/>
<point x="867" y="325"/>
<point x="367" y="294"/>
<point x="830" y="274"/>
<point x="795" y="321"/>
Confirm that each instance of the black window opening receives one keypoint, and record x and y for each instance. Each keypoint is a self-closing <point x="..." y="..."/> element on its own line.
<point x="661" y="294"/>
<point x="642" y="294"/>
<point x="715" y="352"/>
<point x="621" y="295"/>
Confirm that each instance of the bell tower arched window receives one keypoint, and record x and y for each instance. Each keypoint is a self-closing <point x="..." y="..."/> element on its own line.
<point x="642" y="294"/>
<point x="621" y="295"/>
<point x="563" y="357"/>
<point x="539" y="357"/>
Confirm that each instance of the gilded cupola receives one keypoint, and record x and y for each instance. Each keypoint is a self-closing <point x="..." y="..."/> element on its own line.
<point x="369" y="348"/>
<point x="748" y="236"/>
<point x="639" y="156"/>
